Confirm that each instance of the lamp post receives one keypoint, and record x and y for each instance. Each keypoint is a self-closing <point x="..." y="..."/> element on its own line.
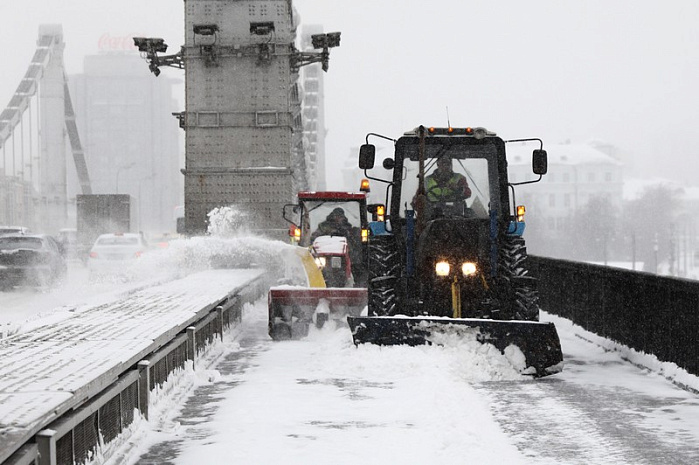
<point x="119" y="170"/>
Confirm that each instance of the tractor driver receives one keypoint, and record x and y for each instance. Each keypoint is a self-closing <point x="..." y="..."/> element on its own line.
<point x="444" y="185"/>
<point x="337" y="224"/>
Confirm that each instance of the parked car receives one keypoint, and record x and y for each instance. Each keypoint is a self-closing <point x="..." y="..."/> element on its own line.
<point x="113" y="254"/>
<point x="5" y="230"/>
<point x="30" y="260"/>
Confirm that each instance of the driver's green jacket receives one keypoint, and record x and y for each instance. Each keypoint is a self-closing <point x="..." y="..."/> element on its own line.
<point x="455" y="188"/>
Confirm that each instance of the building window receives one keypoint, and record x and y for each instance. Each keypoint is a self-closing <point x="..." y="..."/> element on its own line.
<point x="552" y="177"/>
<point x="311" y="85"/>
<point x="566" y="177"/>
<point x="608" y="177"/>
<point x="591" y="177"/>
<point x="552" y="200"/>
<point x="566" y="200"/>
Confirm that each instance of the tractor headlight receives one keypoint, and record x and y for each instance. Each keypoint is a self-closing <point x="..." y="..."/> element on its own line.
<point x="442" y="268"/>
<point x="320" y="261"/>
<point x="469" y="268"/>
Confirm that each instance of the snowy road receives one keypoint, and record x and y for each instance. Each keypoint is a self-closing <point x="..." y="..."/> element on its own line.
<point x="321" y="400"/>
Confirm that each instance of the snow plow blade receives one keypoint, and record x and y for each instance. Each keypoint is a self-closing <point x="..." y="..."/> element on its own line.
<point x="538" y="341"/>
<point x="293" y="310"/>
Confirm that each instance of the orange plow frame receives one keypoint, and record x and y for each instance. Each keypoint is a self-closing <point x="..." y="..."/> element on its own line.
<point x="293" y="310"/>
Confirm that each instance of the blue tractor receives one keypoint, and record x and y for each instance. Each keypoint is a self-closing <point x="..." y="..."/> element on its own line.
<point x="449" y="255"/>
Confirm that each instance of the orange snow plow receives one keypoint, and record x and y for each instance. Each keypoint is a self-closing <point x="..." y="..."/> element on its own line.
<point x="293" y="309"/>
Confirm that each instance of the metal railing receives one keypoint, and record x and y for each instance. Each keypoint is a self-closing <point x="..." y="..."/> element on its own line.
<point x="658" y="315"/>
<point x="75" y="437"/>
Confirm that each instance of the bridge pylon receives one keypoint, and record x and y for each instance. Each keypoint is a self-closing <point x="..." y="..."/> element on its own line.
<point x="35" y="128"/>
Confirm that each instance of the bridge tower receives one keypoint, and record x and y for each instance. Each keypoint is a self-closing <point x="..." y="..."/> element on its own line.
<point x="242" y="118"/>
<point x="243" y="121"/>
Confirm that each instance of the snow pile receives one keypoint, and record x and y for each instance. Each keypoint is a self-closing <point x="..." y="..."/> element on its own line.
<point x="462" y="355"/>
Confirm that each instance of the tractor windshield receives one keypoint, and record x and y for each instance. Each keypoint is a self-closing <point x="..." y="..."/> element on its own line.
<point x="323" y="215"/>
<point x="455" y="183"/>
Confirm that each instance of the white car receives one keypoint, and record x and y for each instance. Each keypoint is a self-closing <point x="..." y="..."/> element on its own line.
<point x="113" y="254"/>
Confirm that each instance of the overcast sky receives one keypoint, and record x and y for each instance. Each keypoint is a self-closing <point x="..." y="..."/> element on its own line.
<point x="625" y="72"/>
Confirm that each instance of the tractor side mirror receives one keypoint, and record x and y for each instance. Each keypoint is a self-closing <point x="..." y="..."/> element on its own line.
<point x="389" y="163"/>
<point x="367" y="155"/>
<point x="539" y="162"/>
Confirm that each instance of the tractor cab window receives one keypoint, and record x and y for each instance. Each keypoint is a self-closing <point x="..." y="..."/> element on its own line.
<point x="453" y="186"/>
<point x="331" y="217"/>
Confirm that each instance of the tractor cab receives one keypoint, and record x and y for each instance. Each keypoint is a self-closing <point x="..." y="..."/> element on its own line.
<point x="336" y="228"/>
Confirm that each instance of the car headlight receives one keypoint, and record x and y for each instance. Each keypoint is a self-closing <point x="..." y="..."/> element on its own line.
<point x="468" y="268"/>
<point x="442" y="268"/>
<point x="320" y="261"/>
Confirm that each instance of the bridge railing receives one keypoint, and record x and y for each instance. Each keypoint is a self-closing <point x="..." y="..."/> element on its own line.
<point x="88" y="429"/>
<point x="654" y="314"/>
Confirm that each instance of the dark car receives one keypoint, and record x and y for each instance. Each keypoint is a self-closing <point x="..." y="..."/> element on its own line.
<point x="30" y="260"/>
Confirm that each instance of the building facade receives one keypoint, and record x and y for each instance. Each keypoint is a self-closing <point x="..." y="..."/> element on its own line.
<point x="131" y="140"/>
<point x="312" y="82"/>
<point x="577" y="173"/>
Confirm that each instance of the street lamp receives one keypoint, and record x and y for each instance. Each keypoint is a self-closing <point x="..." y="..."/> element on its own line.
<point x="119" y="170"/>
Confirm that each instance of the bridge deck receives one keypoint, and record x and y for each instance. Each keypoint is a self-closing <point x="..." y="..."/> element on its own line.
<point x="48" y="371"/>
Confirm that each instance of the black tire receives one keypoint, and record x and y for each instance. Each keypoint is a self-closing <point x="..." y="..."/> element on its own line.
<point x="521" y="295"/>
<point x="280" y="332"/>
<point x="384" y="275"/>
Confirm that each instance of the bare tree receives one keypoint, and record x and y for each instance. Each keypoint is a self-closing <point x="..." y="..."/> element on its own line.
<point x="648" y="225"/>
